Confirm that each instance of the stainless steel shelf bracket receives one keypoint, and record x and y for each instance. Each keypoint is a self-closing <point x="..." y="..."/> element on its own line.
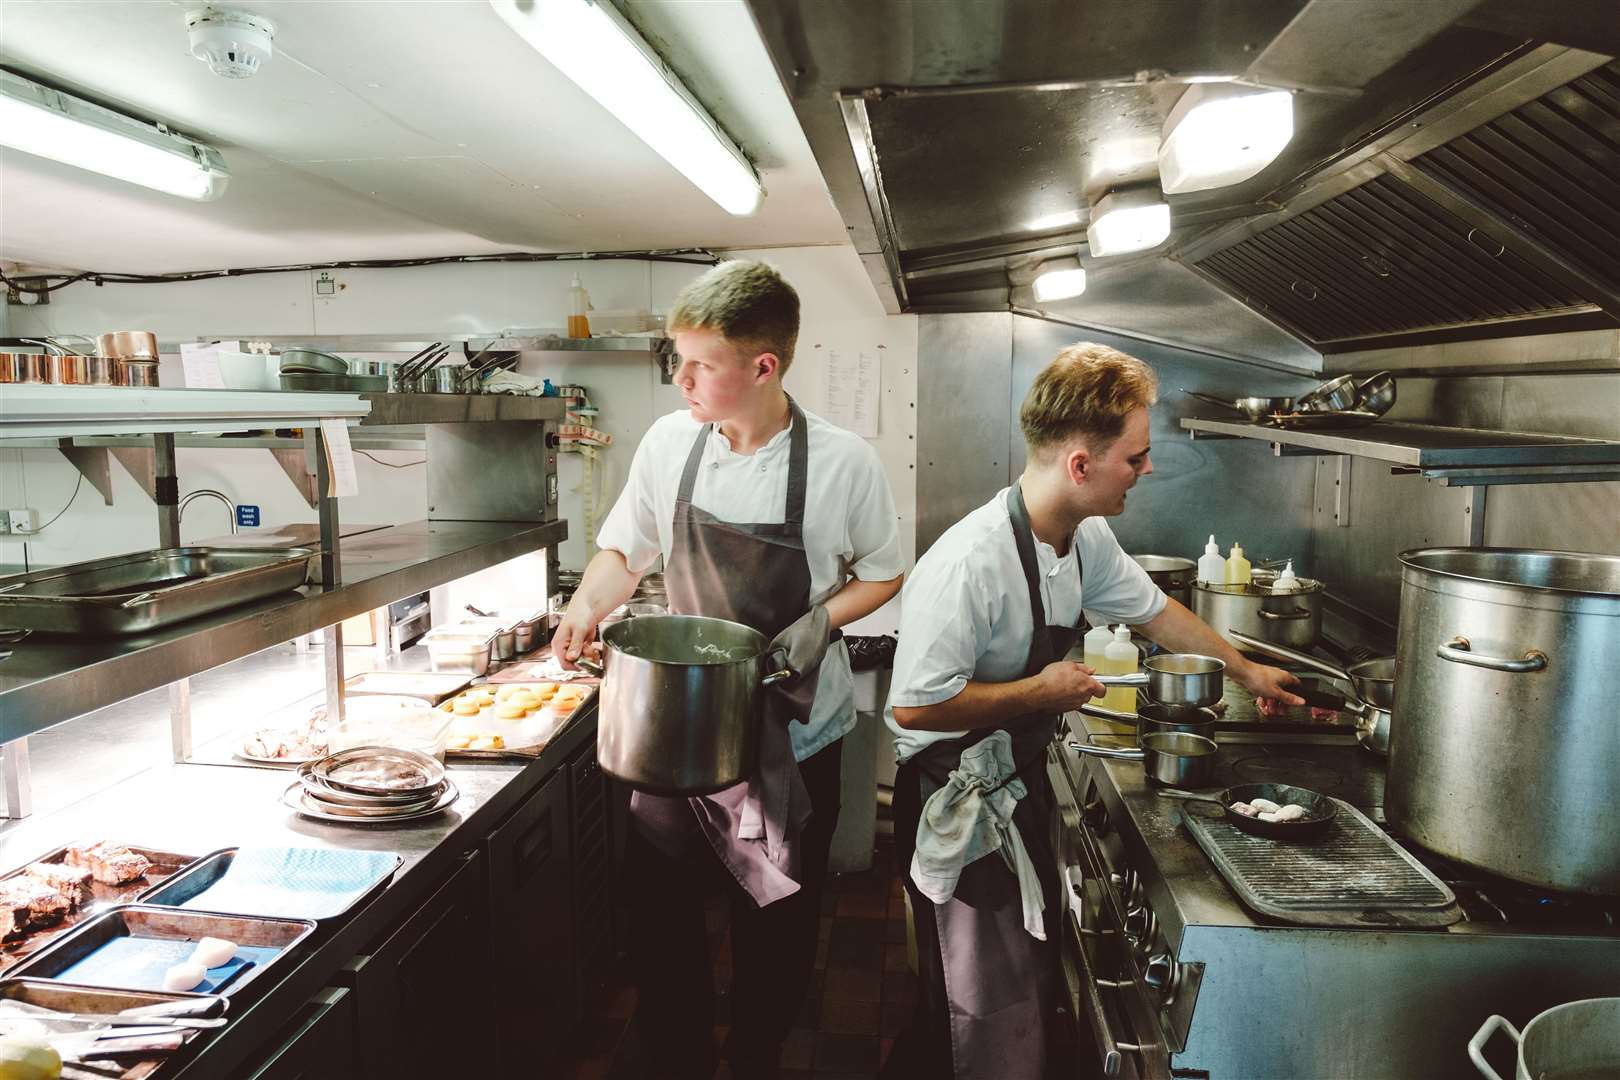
<point x="18" y="779"/>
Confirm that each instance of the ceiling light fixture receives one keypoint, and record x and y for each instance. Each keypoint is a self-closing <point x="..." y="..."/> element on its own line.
<point x="1129" y="219"/>
<point x="50" y="124"/>
<point x="591" y="43"/>
<point x="1222" y="133"/>
<point x="1059" y="279"/>
<point x="1063" y="219"/>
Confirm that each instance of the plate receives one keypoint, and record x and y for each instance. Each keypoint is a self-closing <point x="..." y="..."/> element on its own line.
<point x="283" y="762"/>
<point x="345" y="770"/>
<point x="339" y="797"/>
<point x="292" y="799"/>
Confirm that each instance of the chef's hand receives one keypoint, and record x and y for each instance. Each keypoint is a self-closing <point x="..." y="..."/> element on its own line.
<point x="576" y="631"/>
<point x="805" y="641"/>
<point x="1063" y="685"/>
<point x="1268" y="682"/>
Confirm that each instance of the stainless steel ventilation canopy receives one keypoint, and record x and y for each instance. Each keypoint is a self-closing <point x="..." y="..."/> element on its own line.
<point x="1454" y="171"/>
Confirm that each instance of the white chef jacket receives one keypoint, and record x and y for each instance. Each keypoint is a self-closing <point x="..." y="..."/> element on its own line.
<point x="850" y="525"/>
<point x="964" y="613"/>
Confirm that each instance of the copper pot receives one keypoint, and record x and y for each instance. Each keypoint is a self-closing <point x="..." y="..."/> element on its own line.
<point x="128" y="345"/>
<point x="21" y="367"/>
<point x="137" y="373"/>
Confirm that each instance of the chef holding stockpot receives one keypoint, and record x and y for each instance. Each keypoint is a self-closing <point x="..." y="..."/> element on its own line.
<point x="980" y="685"/>
<point x="769" y="516"/>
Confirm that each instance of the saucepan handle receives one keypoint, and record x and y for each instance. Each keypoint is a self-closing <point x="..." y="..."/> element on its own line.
<point x="591" y="666"/>
<point x="1190" y="796"/>
<point x="1476" y="1045"/>
<point x="1136" y="678"/>
<point x="1108" y="714"/>
<point x="1459" y="651"/>
<point x="1134" y="754"/>
<point x="778" y="660"/>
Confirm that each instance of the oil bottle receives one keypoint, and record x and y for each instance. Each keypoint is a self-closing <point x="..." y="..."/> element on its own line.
<point x="1120" y="658"/>
<point x="579" y="302"/>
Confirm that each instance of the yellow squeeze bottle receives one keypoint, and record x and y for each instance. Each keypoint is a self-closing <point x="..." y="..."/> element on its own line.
<point x="1120" y="658"/>
<point x="1237" y="567"/>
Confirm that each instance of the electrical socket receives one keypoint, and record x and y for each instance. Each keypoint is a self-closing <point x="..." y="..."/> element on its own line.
<point x="20" y="522"/>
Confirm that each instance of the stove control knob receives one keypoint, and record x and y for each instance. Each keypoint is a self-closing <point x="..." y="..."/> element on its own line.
<point x="1160" y="973"/>
<point x="1137" y="922"/>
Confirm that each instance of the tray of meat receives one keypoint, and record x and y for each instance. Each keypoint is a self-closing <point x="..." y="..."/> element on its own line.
<point x="62" y="888"/>
<point x="112" y="1055"/>
<point x="138" y="947"/>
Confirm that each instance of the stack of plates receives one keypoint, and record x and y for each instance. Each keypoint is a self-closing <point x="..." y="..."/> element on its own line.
<point x="371" y="784"/>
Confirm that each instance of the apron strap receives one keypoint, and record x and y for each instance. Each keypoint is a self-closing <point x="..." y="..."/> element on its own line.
<point x="798" y="481"/>
<point x="694" y="461"/>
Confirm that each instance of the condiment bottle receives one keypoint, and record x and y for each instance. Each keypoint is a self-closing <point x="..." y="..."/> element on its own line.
<point x="579" y="302"/>
<point x="1237" y="567"/>
<point x="1096" y="640"/>
<point x="1211" y="567"/>
<point x="1120" y="658"/>
<point x="1286" y="581"/>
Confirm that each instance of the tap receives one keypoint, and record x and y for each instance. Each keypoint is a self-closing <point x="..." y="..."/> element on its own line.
<point x="230" y="507"/>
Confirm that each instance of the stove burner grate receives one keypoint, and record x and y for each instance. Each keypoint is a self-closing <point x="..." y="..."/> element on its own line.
<point x="1353" y="875"/>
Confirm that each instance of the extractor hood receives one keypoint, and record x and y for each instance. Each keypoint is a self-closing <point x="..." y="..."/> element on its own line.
<point x="1455" y="170"/>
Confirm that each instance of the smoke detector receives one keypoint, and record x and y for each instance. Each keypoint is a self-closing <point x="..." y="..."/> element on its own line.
<point x="232" y="43"/>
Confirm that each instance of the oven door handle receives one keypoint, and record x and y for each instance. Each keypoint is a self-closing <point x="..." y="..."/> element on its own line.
<point x="1090" y="1000"/>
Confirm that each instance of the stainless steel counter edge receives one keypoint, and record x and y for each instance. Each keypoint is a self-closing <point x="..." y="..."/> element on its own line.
<point x="125" y="813"/>
<point x="45" y="682"/>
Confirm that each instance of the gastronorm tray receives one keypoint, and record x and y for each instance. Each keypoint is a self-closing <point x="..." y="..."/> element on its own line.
<point x="431" y="686"/>
<point x="299" y="883"/>
<point x="130" y="947"/>
<point x="100" y="1001"/>
<point x="165" y="864"/>
<point x="129" y="594"/>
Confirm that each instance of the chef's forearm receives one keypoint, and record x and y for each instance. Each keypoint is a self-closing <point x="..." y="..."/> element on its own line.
<point x="858" y="599"/>
<point x="607" y="582"/>
<point x="1179" y="630"/>
<point x="978" y="705"/>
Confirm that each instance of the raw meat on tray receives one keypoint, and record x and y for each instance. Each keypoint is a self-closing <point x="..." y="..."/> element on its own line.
<point x="111" y="864"/>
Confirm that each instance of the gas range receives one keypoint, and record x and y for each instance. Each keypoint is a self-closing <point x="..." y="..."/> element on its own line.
<point x="1177" y="978"/>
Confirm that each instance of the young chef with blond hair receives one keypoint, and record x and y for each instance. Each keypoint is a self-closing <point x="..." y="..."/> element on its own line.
<point x="770" y="516"/>
<point x="980" y="684"/>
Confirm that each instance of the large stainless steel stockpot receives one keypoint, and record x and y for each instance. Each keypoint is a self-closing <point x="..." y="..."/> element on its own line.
<point x="1174" y="576"/>
<point x="1578" y="1040"/>
<point x="681" y="702"/>
<point x="1507" y="674"/>
<point x="1260" y="609"/>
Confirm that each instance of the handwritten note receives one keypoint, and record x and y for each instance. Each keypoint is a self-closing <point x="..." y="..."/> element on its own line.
<point x="340" y="458"/>
<point x="853" y="390"/>
<point x="200" y="363"/>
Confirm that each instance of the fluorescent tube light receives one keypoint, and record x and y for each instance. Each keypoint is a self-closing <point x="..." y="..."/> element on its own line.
<point x="1132" y="219"/>
<point x="1218" y="134"/>
<point x="1059" y="279"/>
<point x="591" y="43"/>
<point x="49" y="124"/>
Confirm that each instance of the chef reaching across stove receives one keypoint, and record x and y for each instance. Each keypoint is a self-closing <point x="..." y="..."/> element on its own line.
<point x="980" y="684"/>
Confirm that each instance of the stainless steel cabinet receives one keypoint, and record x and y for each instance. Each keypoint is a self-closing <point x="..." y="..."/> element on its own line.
<point x="423" y="996"/>
<point x="530" y="899"/>
<point x="318" y="1045"/>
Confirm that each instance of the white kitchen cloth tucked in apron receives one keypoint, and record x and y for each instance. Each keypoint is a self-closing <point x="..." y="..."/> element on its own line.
<point x="970" y="817"/>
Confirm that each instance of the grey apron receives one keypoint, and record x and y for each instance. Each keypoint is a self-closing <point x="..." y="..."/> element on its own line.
<point x="758" y="575"/>
<point x="1000" y="982"/>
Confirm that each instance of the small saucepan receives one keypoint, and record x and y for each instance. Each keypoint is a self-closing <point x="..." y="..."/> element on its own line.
<point x="1168" y="757"/>
<point x="1150" y="717"/>
<point x="1371" y="681"/>
<point x="1176" y="679"/>
<point x="1319" y="809"/>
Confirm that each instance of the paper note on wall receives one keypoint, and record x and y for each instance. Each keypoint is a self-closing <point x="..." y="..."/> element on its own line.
<point x="853" y="390"/>
<point x="340" y="458"/>
<point x="200" y="363"/>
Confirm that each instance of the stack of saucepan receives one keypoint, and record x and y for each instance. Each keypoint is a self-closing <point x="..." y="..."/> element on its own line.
<point x="125" y="358"/>
<point x="1175" y="724"/>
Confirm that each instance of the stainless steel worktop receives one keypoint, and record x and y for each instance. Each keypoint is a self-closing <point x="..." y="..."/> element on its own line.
<point x="47" y="680"/>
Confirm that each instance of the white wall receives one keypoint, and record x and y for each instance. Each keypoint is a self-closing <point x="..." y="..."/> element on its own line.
<point x="839" y="313"/>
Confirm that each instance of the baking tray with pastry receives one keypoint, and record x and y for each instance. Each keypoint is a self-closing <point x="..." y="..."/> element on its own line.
<point x="510" y="719"/>
<point x="42" y="899"/>
<point x="117" y="1034"/>
<point x="144" y="947"/>
<point x="301" y="883"/>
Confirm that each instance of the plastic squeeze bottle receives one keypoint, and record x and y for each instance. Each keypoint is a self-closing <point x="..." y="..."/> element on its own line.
<point x="579" y="302"/>
<point x="1237" y="567"/>
<point x="1211" y="567"/>
<point x="1120" y="658"/>
<point x="1096" y="640"/>
<point x="1286" y="581"/>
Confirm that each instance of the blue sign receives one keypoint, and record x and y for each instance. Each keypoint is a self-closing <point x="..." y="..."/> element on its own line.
<point x="247" y="516"/>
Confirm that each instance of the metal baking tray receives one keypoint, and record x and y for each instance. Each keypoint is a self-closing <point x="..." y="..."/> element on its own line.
<point x="99" y="1001"/>
<point x="302" y="883"/>
<point x="309" y="380"/>
<point x="431" y="686"/>
<point x="130" y="947"/>
<point x="130" y="594"/>
<point x="164" y="865"/>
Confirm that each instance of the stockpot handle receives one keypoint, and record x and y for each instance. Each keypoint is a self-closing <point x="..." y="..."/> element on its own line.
<point x="1459" y="651"/>
<point x="1090" y="1000"/>
<point x="591" y="666"/>
<point x="1134" y="754"/>
<point x="1109" y="714"/>
<point x="777" y="659"/>
<point x="1297" y="613"/>
<point x="1476" y="1045"/>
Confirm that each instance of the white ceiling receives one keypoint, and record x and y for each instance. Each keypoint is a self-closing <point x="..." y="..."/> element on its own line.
<point x="392" y="129"/>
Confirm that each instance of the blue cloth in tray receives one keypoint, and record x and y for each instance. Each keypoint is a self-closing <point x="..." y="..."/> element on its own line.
<point x="294" y="883"/>
<point x="138" y="963"/>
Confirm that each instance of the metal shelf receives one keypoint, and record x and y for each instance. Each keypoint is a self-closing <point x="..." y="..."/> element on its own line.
<point x="1462" y="457"/>
<point x="65" y="411"/>
<point x="48" y="679"/>
<point x="516" y="340"/>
